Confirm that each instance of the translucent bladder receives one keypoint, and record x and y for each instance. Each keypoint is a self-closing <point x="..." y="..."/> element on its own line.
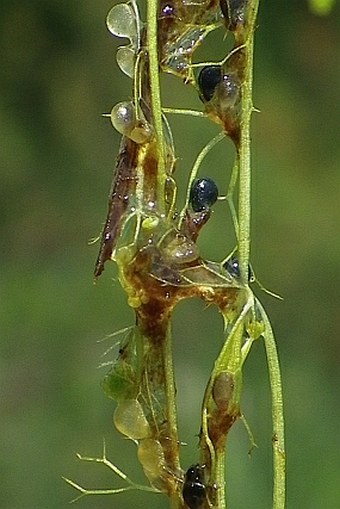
<point x="125" y="57"/>
<point x="123" y="21"/>
<point x="130" y="420"/>
<point x="124" y="118"/>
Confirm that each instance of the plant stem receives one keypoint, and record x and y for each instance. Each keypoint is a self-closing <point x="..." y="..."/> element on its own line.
<point x="278" y="440"/>
<point x="170" y="392"/>
<point x="156" y="106"/>
<point x="220" y="476"/>
<point x="244" y="149"/>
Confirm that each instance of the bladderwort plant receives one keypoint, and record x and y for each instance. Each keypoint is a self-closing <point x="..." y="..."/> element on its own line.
<point x="155" y="247"/>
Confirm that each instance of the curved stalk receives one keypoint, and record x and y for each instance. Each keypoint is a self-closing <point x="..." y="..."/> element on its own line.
<point x="278" y="439"/>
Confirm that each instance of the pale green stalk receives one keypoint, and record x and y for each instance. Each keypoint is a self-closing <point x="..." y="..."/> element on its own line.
<point x="156" y="105"/>
<point x="278" y="439"/>
<point x="244" y="250"/>
<point x="170" y="391"/>
<point x="244" y="204"/>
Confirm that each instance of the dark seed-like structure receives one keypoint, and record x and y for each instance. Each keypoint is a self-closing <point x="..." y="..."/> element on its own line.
<point x="208" y="79"/>
<point x="194" y="489"/>
<point x="203" y="194"/>
<point x="233" y="267"/>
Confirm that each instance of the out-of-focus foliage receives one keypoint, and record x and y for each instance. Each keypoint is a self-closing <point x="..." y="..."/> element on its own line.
<point x="321" y="7"/>
<point x="58" y="75"/>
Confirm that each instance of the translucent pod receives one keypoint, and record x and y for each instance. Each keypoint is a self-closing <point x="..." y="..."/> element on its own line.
<point x="203" y="194"/>
<point x="219" y="85"/>
<point x="125" y="57"/>
<point x="122" y="21"/>
<point x="180" y="249"/>
<point x="227" y="391"/>
<point x="151" y="456"/>
<point x="130" y="420"/>
<point x="194" y="488"/>
<point x="228" y="91"/>
<point x="223" y="389"/>
<point x="220" y="91"/>
<point x="124" y="119"/>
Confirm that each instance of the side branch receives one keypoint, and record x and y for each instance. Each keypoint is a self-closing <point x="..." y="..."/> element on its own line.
<point x="278" y="440"/>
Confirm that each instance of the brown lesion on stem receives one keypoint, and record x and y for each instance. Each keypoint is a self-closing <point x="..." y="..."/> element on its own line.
<point x="155" y="282"/>
<point x="224" y="412"/>
<point x="122" y="190"/>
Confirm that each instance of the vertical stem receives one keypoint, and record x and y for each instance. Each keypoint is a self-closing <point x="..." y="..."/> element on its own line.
<point x="244" y="151"/>
<point x="229" y="360"/>
<point x="278" y="440"/>
<point x="244" y="249"/>
<point x="170" y="392"/>
<point x="156" y="105"/>
<point x="221" y="502"/>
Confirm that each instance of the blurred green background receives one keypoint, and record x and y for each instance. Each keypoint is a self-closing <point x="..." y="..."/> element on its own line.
<point x="57" y="76"/>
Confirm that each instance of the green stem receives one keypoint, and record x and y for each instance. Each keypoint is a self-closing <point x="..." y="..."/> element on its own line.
<point x="170" y="392"/>
<point x="156" y="105"/>
<point x="230" y="360"/>
<point x="244" y="149"/>
<point x="278" y="439"/>
<point x="221" y="502"/>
